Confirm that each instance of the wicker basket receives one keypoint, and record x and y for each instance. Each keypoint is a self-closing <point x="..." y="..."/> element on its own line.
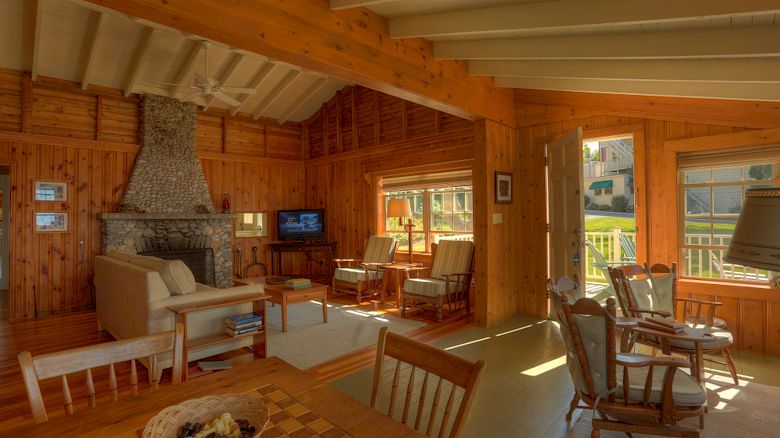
<point x="167" y="423"/>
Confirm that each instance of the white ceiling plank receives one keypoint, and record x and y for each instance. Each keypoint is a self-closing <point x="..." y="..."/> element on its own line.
<point x="280" y="88"/>
<point x="225" y="72"/>
<point x="313" y="89"/>
<point x="40" y="11"/>
<point x="89" y="49"/>
<point x="257" y="81"/>
<point x="139" y="57"/>
<point x="740" y="90"/>
<point x="568" y="14"/>
<point x="346" y="4"/>
<point x="720" y="43"/>
<point x="186" y="68"/>
<point x="756" y="70"/>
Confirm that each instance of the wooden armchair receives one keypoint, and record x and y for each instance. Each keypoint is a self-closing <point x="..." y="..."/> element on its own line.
<point x="631" y="393"/>
<point x="62" y="363"/>
<point x="653" y="291"/>
<point x="449" y="281"/>
<point x="363" y="277"/>
<point x="449" y="373"/>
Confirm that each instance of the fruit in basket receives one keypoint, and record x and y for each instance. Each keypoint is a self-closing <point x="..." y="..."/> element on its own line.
<point x="223" y="426"/>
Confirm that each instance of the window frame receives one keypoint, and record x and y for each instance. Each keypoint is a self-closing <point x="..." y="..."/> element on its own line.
<point x="427" y="203"/>
<point x="683" y="216"/>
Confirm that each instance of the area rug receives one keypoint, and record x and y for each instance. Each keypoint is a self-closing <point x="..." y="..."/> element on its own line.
<point x="308" y="342"/>
<point x="747" y="410"/>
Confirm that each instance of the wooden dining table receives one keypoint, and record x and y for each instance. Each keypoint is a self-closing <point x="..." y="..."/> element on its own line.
<point x="127" y="417"/>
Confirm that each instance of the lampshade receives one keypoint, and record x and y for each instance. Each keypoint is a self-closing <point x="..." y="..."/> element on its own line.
<point x="399" y="208"/>
<point x="756" y="241"/>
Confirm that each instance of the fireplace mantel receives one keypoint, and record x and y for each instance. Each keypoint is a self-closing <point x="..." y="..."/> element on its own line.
<point x="162" y="216"/>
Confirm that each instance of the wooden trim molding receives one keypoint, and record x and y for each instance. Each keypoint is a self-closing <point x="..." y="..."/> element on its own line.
<point x="724" y="141"/>
<point x="249" y="159"/>
<point x="27" y="137"/>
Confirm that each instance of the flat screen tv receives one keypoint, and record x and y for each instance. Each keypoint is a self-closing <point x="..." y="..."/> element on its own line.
<point x="301" y="224"/>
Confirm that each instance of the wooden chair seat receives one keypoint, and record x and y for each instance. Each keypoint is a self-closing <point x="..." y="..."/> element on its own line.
<point x="84" y="359"/>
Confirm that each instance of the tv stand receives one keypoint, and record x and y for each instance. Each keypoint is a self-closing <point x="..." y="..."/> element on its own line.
<point x="319" y="258"/>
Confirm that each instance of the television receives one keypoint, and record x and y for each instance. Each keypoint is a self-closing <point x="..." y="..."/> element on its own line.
<point x="301" y="224"/>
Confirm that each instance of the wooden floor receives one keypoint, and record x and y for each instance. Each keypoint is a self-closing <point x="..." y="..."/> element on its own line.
<point x="73" y="330"/>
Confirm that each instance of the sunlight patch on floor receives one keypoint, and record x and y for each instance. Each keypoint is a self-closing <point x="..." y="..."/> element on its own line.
<point x="545" y="367"/>
<point x="467" y="343"/>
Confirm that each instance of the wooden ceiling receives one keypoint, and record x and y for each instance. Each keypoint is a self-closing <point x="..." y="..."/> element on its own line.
<point x="85" y="43"/>
<point x="693" y="48"/>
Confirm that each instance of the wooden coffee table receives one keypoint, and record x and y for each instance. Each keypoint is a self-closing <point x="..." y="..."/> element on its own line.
<point x="281" y="294"/>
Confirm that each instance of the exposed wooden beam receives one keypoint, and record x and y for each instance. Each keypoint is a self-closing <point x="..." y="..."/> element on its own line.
<point x="257" y="80"/>
<point x="351" y="45"/>
<point x="313" y="89"/>
<point x="561" y="14"/>
<point x="89" y="48"/>
<point x="716" y="90"/>
<point x="711" y="43"/>
<point x="139" y="57"/>
<point x="186" y="68"/>
<point x="337" y="5"/>
<point x="705" y="70"/>
<point x="280" y="88"/>
<point x="225" y="72"/>
<point x="40" y="11"/>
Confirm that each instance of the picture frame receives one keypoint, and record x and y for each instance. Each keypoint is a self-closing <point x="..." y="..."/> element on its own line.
<point x="50" y="191"/>
<point x="51" y="222"/>
<point x="503" y="188"/>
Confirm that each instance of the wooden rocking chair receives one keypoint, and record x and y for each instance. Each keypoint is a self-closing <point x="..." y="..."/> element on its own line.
<point x="631" y="393"/>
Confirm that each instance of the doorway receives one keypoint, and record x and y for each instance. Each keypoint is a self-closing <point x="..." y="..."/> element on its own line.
<point x="5" y="215"/>
<point x="610" y="205"/>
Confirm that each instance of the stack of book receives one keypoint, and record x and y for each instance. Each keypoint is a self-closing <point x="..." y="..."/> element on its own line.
<point x="662" y="324"/>
<point x="245" y="323"/>
<point x="298" y="283"/>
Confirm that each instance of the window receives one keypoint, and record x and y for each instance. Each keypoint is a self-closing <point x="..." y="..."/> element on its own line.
<point x="439" y="213"/>
<point x="711" y="199"/>
<point x="608" y="191"/>
<point x="598" y="192"/>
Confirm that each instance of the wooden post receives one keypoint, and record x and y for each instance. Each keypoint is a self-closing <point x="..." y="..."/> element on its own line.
<point x="616" y="244"/>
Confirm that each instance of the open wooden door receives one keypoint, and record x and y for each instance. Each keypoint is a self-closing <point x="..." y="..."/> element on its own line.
<point x="566" y="205"/>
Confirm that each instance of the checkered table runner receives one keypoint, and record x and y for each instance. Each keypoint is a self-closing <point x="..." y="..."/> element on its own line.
<point x="290" y="418"/>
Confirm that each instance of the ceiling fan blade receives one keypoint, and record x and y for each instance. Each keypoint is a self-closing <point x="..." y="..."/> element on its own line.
<point x="205" y="80"/>
<point x="227" y="99"/>
<point x="159" y="84"/>
<point x="239" y="90"/>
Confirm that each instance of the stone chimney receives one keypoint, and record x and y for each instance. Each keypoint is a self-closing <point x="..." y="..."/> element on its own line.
<point x="167" y="177"/>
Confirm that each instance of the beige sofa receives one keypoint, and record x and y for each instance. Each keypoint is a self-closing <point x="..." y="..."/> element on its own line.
<point x="133" y="293"/>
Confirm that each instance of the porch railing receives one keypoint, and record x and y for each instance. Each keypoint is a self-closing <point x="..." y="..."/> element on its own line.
<point x="608" y="244"/>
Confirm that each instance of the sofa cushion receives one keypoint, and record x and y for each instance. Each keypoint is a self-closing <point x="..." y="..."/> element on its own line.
<point x="354" y="275"/>
<point x="120" y="255"/>
<point x="176" y="275"/>
<point x="429" y="287"/>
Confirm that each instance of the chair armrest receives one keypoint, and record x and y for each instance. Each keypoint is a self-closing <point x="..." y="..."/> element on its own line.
<point x="632" y="361"/>
<point x="663" y="313"/>
<point x="454" y="274"/>
<point x="347" y="262"/>
<point x="695" y="301"/>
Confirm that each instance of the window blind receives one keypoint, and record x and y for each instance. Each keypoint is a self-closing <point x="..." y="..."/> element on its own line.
<point x="430" y="180"/>
<point x="728" y="157"/>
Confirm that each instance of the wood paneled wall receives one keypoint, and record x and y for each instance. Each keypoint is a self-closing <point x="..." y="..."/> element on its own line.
<point x="751" y="311"/>
<point x="361" y="135"/>
<point x="53" y="130"/>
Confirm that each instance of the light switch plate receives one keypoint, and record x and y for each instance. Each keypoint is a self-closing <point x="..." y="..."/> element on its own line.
<point x="498" y="218"/>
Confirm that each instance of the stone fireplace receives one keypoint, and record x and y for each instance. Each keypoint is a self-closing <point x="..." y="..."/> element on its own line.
<point x="167" y="192"/>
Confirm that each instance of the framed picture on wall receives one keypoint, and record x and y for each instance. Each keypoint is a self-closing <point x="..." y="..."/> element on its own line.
<point x="51" y="222"/>
<point x="503" y="188"/>
<point x="54" y="191"/>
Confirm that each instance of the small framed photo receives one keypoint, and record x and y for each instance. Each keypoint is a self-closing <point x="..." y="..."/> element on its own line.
<point x="503" y="188"/>
<point x="54" y="191"/>
<point x="51" y="222"/>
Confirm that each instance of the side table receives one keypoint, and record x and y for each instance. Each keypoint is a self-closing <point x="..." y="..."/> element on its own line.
<point x="259" y="339"/>
<point x="399" y="268"/>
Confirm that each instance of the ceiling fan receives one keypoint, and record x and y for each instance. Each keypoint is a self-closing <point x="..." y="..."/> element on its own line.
<point x="206" y="86"/>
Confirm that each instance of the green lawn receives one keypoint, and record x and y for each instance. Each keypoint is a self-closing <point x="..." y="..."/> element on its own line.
<point x="626" y="224"/>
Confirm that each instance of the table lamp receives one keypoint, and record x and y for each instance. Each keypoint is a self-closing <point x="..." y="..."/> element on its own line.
<point x="402" y="208"/>
<point x="756" y="241"/>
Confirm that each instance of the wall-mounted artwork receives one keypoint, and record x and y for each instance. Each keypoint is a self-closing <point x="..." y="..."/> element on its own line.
<point x="50" y="222"/>
<point x="503" y="188"/>
<point x="56" y="191"/>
